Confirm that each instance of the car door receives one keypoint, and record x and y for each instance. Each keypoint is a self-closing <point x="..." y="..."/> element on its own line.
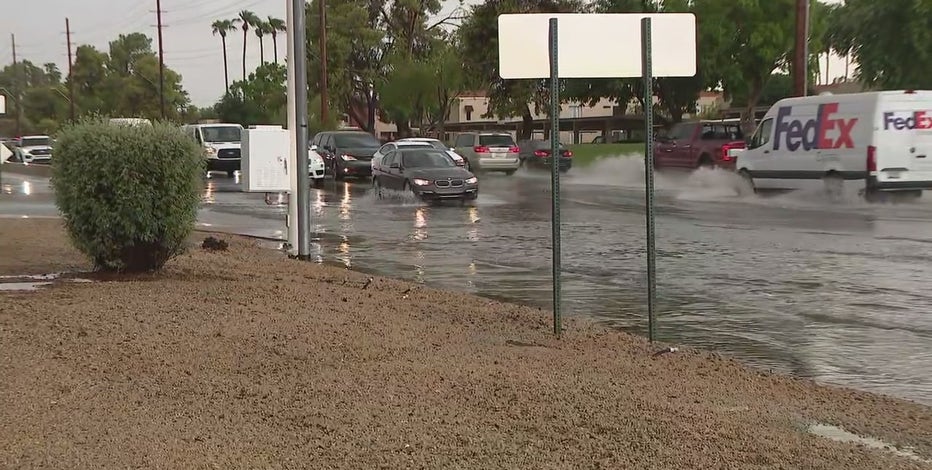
<point x="390" y="174"/>
<point x="380" y="154"/>
<point x="683" y="151"/>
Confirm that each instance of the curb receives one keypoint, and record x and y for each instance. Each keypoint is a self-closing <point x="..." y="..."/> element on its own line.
<point x="26" y="169"/>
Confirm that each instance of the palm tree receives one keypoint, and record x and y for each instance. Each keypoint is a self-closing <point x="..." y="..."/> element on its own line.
<point x="221" y="27"/>
<point x="245" y="19"/>
<point x="260" y="27"/>
<point x="276" y="26"/>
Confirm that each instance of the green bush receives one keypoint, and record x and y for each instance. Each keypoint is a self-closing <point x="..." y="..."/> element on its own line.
<point x="128" y="194"/>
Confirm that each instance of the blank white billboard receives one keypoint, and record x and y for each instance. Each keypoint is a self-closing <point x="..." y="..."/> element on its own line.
<point x="595" y="45"/>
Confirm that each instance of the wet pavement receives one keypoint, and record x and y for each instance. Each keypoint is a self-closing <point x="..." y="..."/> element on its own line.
<point x="835" y="291"/>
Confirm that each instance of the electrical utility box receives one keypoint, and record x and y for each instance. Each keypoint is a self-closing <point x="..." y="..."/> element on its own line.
<point x="264" y="164"/>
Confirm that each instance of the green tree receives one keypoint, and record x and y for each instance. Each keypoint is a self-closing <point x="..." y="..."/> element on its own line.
<point x="479" y="38"/>
<point x="245" y="20"/>
<point x="890" y="40"/>
<point x="259" y="99"/>
<point x="357" y="56"/>
<point x="89" y="73"/>
<point x="260" y="27"/>
<point x="748" y="40"/>
<point x="276" y="25"/>
<point x="221" y="28"/>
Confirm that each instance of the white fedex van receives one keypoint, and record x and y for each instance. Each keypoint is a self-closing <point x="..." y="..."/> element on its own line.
<point x="878" y="143"/>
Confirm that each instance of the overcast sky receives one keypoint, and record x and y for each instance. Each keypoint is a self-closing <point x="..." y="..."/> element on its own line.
<point x="190" y="48"/>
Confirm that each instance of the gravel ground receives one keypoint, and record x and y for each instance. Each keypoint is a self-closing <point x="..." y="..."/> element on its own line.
<point x="244" y="359"/>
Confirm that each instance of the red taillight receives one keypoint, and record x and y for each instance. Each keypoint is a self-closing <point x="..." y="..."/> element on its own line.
<point x="729" y="146"/>
<point x="567" y="154"/>
<point x="871" y="158"/>
<point x="541" y="153"/>
<point x="514" y="149"/>
<point x="480" y="149"/>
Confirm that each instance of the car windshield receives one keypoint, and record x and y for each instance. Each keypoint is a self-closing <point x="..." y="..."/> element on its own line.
<point x="496" y="140"/>
<point x="545" y="145"/>
<point x="221" y="134"/>
<point x="36" y="141"/>
<point x="681" y="132"/>
<point x="427" y="159"/>
<point x="356" y="139"/>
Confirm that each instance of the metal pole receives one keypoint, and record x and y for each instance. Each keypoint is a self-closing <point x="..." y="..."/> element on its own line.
<point x="801" y="51"/>
<point x="70" y="76"/>
<point x="300" y="97"/>
<point x="17" y="90"/>
<point x="648" y="76"/>
<point x="292" y="218"/>
<point x="324" y="87"/>
<point x="555" y="175"/>
<point x="158" y="15"/>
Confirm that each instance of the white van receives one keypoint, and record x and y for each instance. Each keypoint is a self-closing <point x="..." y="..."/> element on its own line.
<point x="222" y="145"/>
<point x="877" y="143"/>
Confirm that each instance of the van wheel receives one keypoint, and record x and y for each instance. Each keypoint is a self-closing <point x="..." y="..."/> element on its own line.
<point x="900" y="197"/>
<point x="748" y="183"/>
<point x="834" y="185"/>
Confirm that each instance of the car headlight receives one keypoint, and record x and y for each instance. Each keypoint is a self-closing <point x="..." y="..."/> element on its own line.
<point x="210" y="151"/>
<point x="347" y="157"/>
<point x="472" y="180"/>
<point x="420" y="182"/>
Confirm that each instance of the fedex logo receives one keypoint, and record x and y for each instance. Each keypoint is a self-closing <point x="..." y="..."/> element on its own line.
<point x="916" y="120"/>
<point x="813" y="133"/>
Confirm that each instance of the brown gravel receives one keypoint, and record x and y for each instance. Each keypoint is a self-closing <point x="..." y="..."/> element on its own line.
<point x="244" y="359"/>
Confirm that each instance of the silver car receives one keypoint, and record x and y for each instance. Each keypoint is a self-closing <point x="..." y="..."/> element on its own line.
<point x="488" y="151"/>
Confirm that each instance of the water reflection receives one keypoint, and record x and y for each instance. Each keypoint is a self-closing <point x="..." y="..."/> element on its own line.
<point x="473" y="233"/>
<point x="344" y="251"/>
<point x="420" y="223"/>
<point x="209" y="189"/>
<point x="346" y="203"/>
<point x="27" y="188"/>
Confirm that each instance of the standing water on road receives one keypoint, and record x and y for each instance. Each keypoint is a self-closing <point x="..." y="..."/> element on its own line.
<point x="836" y="291"/>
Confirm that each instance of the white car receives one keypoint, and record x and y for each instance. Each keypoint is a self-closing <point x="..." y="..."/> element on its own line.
<point x="315" y="166"/>
<point x="878" y="143"/>
<point x="415" y="142"/>
<point x="34" y="149"/>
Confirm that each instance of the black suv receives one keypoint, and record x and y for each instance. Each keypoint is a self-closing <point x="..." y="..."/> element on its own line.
<point x="346" y="153"/>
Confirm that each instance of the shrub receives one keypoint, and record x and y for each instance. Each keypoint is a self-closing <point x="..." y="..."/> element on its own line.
<point x="128" y="194"/>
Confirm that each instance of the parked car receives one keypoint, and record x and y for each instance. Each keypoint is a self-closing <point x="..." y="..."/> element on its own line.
<point x="348" y="153"/>
<point x="699" y="144"/>
<point x="428" y="173"/>
<point x="488" y="151"/>
<point x="537" y="153"/>
<point x="35" y="149"/>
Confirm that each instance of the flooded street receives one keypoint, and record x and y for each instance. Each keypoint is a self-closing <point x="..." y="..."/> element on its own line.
<point x="836" y="291"/>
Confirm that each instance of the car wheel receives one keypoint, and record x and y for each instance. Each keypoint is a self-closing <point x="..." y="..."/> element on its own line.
<point x="318" y="182"/>
<point x="705" y="162"/>
<point x="377" y="186"/>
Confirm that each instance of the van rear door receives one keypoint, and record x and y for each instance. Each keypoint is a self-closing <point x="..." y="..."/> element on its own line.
<point x="903" y="141"/>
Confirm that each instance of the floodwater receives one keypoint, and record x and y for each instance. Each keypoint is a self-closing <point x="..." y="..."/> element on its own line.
<point x="835" y="291"/>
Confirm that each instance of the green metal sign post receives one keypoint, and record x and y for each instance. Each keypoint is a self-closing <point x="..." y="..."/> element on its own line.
<point x="647" y="75"/>
<point x="555" y="176"/>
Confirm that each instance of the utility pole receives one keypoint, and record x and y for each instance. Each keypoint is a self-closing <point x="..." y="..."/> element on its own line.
<point x="302" y="197"/>
<point x="70" y="76"/>
<point x="158" y="13"/>
<point x="801" y="51"/>
<point x="324" y="92"/>
<point x="17" y="90"/>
